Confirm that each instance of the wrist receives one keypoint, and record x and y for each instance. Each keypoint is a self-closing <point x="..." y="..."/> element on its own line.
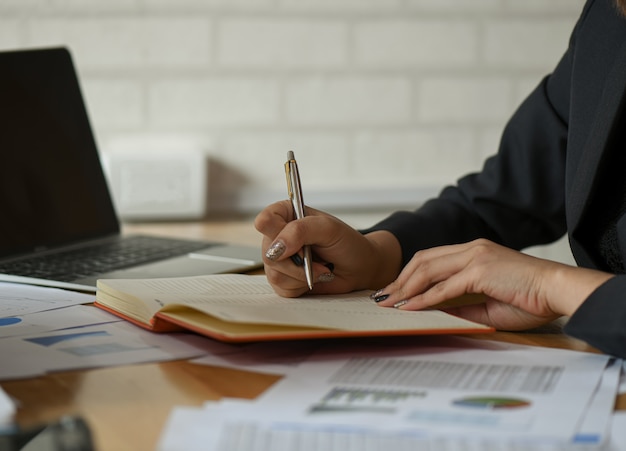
<point x="572" y="286"/>
<point x="386" y="261"/>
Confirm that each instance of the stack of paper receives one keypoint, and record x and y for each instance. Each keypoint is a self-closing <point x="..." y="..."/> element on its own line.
<point x="47" y="329"/>
<point x="454" y="394"/>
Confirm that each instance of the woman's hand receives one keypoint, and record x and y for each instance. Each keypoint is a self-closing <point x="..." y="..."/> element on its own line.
<point x="344" y="259"/>
<point x="520" y="291"/>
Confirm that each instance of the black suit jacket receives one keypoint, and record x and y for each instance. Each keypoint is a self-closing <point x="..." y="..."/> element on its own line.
<point x="542" y="182"/>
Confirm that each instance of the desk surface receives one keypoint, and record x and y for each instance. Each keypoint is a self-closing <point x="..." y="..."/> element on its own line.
<point x="127" y="406"/>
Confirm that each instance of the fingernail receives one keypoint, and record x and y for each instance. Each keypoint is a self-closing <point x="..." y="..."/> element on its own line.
<point x="400" y="303"/>
<point x="330" y="266"/>
<point x="375" y="294"/>
<point x="326" y="277"/>
<point x="275" y="250"/>
<point x="297" y="259"/>
<point x="381" y="298"/>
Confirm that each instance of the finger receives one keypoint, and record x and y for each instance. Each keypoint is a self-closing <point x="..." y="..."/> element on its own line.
<point x="285" y="281"/>
<point x="289" y="280"/>
<point x="428" y="279"/>
<point x="272" y="219"/>
<point x="318" y="230"/>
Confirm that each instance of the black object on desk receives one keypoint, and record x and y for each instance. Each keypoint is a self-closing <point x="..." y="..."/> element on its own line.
<point x="70" y="433"/>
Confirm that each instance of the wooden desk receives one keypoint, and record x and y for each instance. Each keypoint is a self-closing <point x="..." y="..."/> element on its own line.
<point x="127" y="406"/>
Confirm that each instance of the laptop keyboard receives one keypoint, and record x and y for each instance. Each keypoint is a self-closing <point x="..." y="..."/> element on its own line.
<point x="74" y="264"/>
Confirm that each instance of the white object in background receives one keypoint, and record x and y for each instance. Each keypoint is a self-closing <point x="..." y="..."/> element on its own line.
<point x="7" y="408"/>
<point x="159" y="184"/>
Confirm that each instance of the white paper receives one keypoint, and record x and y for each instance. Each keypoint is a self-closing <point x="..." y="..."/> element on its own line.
<point x="90" y="347"/>
<point x="622" y="380"/>
<point x="285" y="356"/>
<point x="594" y="428"/>
<point x="512" y="393"/>
<point x="329" y="404"/>
<point x="49" y="320"/>
<point x="618" y="431"/>
<point x="20" y="299"/>
<point x="278" y="358"/>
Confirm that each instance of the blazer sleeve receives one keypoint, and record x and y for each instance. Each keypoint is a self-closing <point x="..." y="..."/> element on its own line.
<point x="601" y="319"/>
<point x="518" y="198"/>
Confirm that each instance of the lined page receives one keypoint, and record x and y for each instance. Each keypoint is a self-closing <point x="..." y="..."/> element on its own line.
<point x="250" y="299"/>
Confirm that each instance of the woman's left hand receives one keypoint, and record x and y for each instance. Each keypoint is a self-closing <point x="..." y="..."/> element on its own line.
<point x="520" y="291"/>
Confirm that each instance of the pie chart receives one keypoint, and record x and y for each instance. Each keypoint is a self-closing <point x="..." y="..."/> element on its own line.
<point x="9" y="321"/>
<point x="491" y="403"/>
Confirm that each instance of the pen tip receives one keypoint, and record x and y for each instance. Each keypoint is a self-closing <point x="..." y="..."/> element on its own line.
<point x="290" y="155"/>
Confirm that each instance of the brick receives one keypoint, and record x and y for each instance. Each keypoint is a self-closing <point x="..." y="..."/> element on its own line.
<point x="233" y="101"/>
<point x="525" y="86"/>
<point x="127" y="43"/>
<point x="380" y="99"/>
<point x="322" y="157"/>
<point x="442" y="153"/>
<point x="560" y="6"/>
<point x="489" y="142"/>
<point x="206" y="5"/>
<point x="114" y="103"/>
<point x="22" y="5"/>
<point x="9" y="34"/>
<point x="282" y="43"/>
<point x="529" y="43"/>
<point x="94" y="5"/>
<point x="464" y="100"/>
<point x="348" y="100"/>
<point x="341" y="5"/>
<point x="416" y="43"/>
<point x="454" y="6"/>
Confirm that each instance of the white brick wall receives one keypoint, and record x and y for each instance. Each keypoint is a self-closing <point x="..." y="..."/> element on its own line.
<point x="380" y="99"/>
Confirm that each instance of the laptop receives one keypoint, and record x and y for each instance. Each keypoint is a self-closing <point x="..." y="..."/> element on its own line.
<point x="58" y="225"/>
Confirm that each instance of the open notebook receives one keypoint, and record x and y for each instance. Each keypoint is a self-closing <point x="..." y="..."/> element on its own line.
<point x="59" y="226"/>
<point x="241" y="308"/>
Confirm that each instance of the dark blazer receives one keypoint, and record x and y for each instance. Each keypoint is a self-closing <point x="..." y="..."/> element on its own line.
<point x="543" y="182"/>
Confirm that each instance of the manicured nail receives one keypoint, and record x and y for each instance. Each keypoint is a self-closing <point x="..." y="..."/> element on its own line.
<point x="375" y="294"/>
<point x="400" y="303"/>
<point x="326" y="277"/>
<point x="330" y="266"/>
<point x="275" y="250"/>
<point x="297" y="259"/>
<point x="381" y="298"/>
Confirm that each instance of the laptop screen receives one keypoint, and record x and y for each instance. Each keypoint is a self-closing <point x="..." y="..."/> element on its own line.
<point x="51" y="182"/>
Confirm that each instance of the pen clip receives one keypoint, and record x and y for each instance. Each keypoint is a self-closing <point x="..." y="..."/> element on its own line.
<point x="293" y="185"/>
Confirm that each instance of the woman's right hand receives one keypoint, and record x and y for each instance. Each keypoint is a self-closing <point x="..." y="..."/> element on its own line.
<point x="344" y="260"/>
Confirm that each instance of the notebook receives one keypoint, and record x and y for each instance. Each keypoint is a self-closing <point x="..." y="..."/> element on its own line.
<point x="58" y="225"/>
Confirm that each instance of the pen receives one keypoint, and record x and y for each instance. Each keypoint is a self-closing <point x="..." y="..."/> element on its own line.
<point x="294" y="189"/>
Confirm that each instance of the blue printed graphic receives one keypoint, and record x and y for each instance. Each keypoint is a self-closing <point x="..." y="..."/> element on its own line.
<point x="9" y="321"/>
<point x="49" y="341"/>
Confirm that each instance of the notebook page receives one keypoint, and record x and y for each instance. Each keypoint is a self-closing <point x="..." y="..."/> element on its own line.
<point x="250" y="299"/>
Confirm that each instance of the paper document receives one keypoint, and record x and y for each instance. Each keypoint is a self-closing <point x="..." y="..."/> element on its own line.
<point x="49" y="320"/>
<point x="445" y="397"/>
<point x="20" y="299"/>
<point x="95" y="346"/>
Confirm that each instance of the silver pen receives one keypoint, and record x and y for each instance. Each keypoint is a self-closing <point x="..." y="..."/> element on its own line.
<point x="294" y="189"/>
